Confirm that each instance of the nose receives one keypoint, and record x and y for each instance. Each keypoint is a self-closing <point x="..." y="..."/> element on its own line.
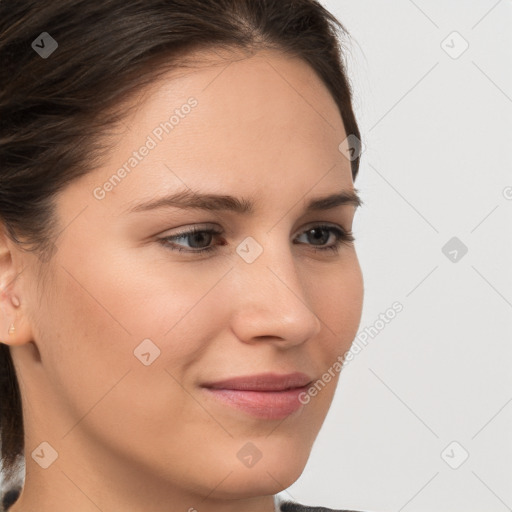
<point x="270" y="302"/>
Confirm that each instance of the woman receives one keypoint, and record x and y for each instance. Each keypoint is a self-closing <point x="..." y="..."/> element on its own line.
<point x="177" y="270"/>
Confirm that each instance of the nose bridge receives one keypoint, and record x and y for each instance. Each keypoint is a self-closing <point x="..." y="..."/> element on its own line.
<point x="269" y="298"/>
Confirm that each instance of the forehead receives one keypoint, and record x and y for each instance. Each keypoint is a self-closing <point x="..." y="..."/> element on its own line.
<point x="243" y="85"/>
<point x="265" y="120"/>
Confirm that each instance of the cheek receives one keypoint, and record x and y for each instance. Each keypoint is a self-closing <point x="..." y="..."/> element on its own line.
<point x="103" y="311"/>
<point x="84" y="349"/>
<point x="146" y="293"/>
<point x="92" y="326"/>
<point x="338" y="299"/>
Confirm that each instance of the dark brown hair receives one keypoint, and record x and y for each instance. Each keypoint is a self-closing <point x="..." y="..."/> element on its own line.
<point x="54" y="110"/>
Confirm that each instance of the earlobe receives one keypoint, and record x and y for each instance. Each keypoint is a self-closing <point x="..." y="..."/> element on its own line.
<point x="14" y="329"/>
<point x="11" y="331"/>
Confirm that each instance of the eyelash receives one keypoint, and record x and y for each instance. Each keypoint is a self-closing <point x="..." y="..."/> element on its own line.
<point x="342" y="237"/>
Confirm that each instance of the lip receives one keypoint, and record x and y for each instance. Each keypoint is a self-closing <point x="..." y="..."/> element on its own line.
<point x="262" y="382"/>
<point x="267" y="396"/>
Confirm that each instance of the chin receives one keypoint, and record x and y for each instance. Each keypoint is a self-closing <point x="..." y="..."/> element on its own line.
<point x="260" y="466"/>
<point x="259" y="481"/>
<point x="278" y="468"/>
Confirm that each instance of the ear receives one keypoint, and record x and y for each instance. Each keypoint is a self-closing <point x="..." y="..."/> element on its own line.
<point x="14" y="326"/>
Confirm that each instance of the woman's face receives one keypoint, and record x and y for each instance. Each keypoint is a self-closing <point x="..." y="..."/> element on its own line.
<point x="127" y="329"/>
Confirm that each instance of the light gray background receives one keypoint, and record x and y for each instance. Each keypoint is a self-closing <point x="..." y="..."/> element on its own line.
<point x="438" y="133"/>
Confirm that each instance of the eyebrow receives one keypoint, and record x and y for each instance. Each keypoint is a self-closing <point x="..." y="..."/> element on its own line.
<point x="189" y="199"/>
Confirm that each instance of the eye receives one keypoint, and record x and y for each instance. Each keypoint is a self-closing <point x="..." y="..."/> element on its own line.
<point x="341" y="236"/>
<point x="169" y="242"/>
<point x="315" y="233"/>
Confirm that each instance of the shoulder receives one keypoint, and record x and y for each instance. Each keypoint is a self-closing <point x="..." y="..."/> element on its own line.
<point x="289" y="506"/>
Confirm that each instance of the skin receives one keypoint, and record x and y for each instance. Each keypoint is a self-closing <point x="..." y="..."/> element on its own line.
<point x="132" y="437"/>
